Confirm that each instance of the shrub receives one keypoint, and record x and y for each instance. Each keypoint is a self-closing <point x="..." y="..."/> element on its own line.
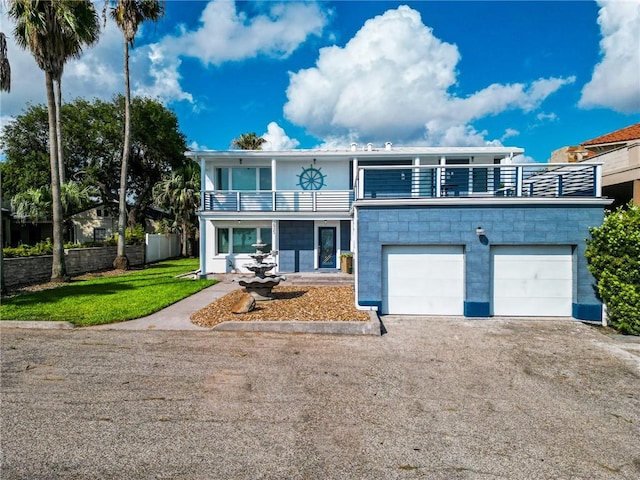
<point x="41" y="248"/>
<point x="613" y="255"/>
<point x="135" y="235"/>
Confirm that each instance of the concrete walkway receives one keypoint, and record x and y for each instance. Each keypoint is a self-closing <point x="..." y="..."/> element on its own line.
<point x="176" y="316"/>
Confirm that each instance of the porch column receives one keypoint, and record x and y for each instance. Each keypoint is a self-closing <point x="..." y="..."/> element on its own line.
<point x="275" y="243"/>
<point x="439" y="170"/>
<point x="202" y="183"/>
<point x="203" y="248"/>
<point x="636" y="192"/>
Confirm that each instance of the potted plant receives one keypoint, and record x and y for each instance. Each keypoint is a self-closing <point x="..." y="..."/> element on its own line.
<point x="346" y="262"/>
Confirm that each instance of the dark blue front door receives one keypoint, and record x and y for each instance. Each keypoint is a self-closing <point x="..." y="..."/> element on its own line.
<point x="327" y="247"/>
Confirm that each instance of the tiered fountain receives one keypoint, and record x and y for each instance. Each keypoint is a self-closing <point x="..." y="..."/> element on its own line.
<point x="260" y="285"/>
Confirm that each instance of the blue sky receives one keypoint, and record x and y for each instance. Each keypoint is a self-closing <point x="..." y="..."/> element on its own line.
<point x="537" y="75"/>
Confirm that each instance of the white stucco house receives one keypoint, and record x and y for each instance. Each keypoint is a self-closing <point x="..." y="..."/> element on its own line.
<point x="433" y="230"/>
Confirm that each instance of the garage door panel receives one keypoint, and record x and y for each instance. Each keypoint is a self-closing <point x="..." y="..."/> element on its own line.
<point x="515" y="288"/>
<point x="423" y="280"/>
<point x="532" y="280"/>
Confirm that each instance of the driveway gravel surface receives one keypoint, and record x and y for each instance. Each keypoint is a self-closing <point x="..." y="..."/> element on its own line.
<point x="444" y="398"/>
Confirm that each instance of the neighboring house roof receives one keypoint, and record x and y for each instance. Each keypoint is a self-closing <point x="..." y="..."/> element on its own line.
<point x="623" y="135"/>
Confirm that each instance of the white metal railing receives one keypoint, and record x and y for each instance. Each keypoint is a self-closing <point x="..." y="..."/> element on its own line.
<point x="515" y="180"/>
<point x="278" y="201"/>
<point x="419" y="182"/>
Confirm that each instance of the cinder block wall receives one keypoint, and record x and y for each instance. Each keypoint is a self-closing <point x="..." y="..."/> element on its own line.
<point x="504" y="225"/>
<point x="31" y="270"/>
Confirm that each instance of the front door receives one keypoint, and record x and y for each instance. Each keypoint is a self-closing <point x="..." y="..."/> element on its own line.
<point x="327" y="247"/>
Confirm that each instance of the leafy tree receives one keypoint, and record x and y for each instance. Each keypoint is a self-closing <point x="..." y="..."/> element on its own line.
<point x="248" y="141"/>
<point x="53" y="32"/>
<point x="92" y="140"/>
<point x="179" y="193"/>
<point x="128" y="15"/>
<point x="157" y="148"/>
<point x="613" y="255"/>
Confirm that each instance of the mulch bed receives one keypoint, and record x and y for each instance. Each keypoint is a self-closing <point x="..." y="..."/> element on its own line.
<point x="301" y="303"/>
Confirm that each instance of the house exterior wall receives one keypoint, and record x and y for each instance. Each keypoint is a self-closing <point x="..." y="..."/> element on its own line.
<point x="296" y="251"/>
<point x="85" y="223"/>
<point x="456" y="225"/>
<point x="336" y="174"/>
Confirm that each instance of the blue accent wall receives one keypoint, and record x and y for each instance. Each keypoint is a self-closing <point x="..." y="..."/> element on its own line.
<point x="296" y="246"/>
<point x="345" y="235"/>
<point x="456" y="225"/>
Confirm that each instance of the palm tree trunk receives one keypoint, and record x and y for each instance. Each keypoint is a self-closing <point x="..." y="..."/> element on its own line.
<point x="185" y="240"/>
<point x="121" y="261"/>
<point x="58" y="270"/>
<point x="58" y="84"/>
<point x="3" y="290"/>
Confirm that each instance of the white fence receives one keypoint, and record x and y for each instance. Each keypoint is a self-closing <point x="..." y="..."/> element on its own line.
<point x="161" y="246"/>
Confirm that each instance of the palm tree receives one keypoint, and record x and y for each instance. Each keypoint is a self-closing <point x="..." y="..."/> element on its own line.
<point x="32" y="205"/>
<point x="5" y="86"/>
<point x="248" y="141"/>
<point x="5" y="68"/>
<point x="180" y="194"/>
<point x="89" y="22"/>
<point x="53" y="31"/>
<point x="35" y="204"/>
<point x="128" y="15"/>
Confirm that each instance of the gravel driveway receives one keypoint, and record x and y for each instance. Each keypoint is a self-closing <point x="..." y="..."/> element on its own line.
<point x="433" y="398"/>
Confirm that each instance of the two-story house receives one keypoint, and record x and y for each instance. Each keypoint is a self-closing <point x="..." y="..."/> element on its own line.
<point x="433" y="230"/>
<point x="619" y="154"/>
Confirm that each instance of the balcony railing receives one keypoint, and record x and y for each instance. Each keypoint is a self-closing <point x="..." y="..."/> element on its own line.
<point x="421" y="182"/>
<point x="441" y="181"/>
<point x="278" y="201"/>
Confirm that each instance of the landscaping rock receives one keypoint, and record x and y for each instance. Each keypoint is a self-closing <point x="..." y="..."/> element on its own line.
<point x="244" y="305"/>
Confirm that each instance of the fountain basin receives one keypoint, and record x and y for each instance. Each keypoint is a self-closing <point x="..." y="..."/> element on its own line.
<point x="260" y="287"/>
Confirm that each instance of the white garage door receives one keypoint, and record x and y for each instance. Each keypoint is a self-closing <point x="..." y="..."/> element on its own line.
<point x="423" y="280"/>
<point x="532" y="280"/>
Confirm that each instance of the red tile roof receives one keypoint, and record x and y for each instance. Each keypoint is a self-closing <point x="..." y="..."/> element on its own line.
<point x="623" y="135"/>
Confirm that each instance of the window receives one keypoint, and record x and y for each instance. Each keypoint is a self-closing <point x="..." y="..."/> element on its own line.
<point x="223" y="240"/>
<point x="243" y="240"/>
<point x="99" y="234"/>
<point x="243" y="178"/>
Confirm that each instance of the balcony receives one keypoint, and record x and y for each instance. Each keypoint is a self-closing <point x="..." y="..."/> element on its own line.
<point x="420" y="183"/>
<point x="277" y="201"/>
<point x="444" y="181"/>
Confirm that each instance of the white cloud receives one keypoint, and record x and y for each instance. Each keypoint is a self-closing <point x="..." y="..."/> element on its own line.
<point x="391" y="82"/>
<point x="226" y="35"/>
<point x="277" y="139"/>
<point x="195" y="146"/>
<point x="159" y="76"/>
<point x="509" y="132"/>
<point x="549" y="117"/>
<point x="523" y="159"/>
<point x="223" y="35"/>
<point x="615" y="82"/>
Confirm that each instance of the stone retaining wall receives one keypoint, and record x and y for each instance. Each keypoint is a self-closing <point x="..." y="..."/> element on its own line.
<point x="31" y="270"/>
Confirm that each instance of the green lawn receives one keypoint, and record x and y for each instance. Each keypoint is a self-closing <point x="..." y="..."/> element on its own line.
<point x="108" y="299"/>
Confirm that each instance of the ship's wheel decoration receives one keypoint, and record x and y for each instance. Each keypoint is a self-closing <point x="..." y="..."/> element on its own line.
<point x="311" y="178"/>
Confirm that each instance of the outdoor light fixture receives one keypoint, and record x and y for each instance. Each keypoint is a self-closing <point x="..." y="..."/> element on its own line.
<point x="480" y="231"/>
<point x="240" y="161"/>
